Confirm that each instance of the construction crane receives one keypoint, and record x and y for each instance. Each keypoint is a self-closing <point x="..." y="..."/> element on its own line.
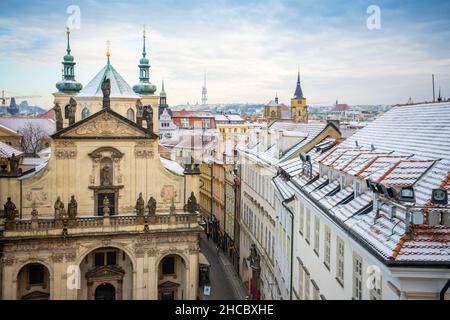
<point x="4" y="99"/>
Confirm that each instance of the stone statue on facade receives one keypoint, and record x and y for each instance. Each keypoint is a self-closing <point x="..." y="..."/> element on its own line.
<point x="72" y="111"/>
<point x="106" y="176"/>
<point x="172" y="207"/>
<point x="58" y="117"/>
<point x="191" y="205"/>
<point x="72" y="208"/>
<point x="151" y="205"/>
<point x="59" y="208"/>
<point x="140" y="205"/>
<point x="148" y="117"/>
<point x="14" y="165"/>
<point x="106" y="89"/>
<point x="139" y="112"/>
<point x="10" y="210"/>
<point x="106" y="209"/>
<point x="34" y="212"/>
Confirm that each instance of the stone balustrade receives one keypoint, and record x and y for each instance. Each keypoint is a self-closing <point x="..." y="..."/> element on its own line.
<point x="115" y="223"/>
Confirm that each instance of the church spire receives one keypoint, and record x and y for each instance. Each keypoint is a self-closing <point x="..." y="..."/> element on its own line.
<point x="68" y="41"/>
<point x="144" y="87"/>
<point x="68" y="83"/>
<point x="163" y="92"/>
<point x="298" y="94"/>
<point x="144" y="52"/>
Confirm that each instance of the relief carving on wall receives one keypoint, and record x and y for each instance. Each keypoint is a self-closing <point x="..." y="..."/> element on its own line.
<point x="37" y="196"/>
<point x="144" y="153"/>
<point x="65" y="149"/>
<point x="168" y="193"/>
<point x="107" y="125"/>
<point x="144" y="149"/>
<point x="9" y="260"/>
<point x="66" y="153"/>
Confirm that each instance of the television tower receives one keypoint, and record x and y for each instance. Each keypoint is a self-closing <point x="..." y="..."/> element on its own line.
<point x="204" y="91"/>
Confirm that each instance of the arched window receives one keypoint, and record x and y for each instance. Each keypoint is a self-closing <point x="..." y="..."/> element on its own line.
<point x="66" y="111"/>
<point x="130" y="114"/>
<point x="85" y="113"/>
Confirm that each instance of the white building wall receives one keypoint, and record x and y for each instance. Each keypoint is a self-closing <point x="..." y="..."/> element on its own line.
<point x="395" y="284"/>
<point x="258" y="222"/>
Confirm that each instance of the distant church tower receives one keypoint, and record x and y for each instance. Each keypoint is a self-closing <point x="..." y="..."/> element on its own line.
<point x="299" y="109"/>
<point x="204" y="91"/>
<point x="162" y="100"/>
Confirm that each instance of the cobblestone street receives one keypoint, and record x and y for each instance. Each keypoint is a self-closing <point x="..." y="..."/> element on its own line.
<point x="225" y="283"/>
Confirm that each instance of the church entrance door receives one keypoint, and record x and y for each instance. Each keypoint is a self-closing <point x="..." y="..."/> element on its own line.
<point x="105" y="292"/>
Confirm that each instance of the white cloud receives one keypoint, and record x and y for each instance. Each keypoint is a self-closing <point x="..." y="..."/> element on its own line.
<point x="249" y="52"/>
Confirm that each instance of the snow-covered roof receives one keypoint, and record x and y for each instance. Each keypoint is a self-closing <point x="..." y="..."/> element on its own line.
<point x="6" y="151"/>
<point x="407" y="146"/>
<point x="119" y="87"/>
<point x="17" y="124"/>
<point x="172" y="166"/>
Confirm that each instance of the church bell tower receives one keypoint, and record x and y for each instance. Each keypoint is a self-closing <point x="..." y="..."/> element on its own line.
<point x="299" y="109"/>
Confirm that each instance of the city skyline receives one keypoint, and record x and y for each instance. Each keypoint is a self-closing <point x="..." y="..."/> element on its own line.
<point x="339" y="57"/>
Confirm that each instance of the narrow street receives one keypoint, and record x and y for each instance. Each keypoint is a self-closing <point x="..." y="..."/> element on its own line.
<point x="225" y="283"/>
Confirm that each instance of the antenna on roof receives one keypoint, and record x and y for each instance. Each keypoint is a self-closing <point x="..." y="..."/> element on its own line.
<point x="434" y="94"/>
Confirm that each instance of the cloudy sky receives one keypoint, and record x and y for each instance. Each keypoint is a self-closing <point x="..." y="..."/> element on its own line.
<point x="250" y="49"/>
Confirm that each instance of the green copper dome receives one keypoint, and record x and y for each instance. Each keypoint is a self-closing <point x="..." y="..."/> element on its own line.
<point x="68" y="58"/>
<point x="144" y="87"/>
<point x="68" y="83"/>
<point x="144" y="61"/>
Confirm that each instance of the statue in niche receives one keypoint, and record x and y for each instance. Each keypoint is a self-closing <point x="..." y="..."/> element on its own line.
<point x="151" y="205"/>
<point x="106" y="175"/>
<point x="72" y="208"/>
<point x="72" y="111"/>
<point x="10" y="210"/>
<point x="59" y="208"/>
<point x="191" y="205"/>
<point x="139" y="112"/>
<point x="58" y="117"/>
<point x="106" y="89"/>
<point x="106" y="209"/>
<point x="140" y="205"/>
<point x="148" y="117"/>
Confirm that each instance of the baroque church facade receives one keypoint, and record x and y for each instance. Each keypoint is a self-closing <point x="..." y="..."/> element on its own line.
<point x="106" y="217"/>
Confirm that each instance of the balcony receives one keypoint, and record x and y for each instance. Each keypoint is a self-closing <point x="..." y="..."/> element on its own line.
<point x="88" y="225"/>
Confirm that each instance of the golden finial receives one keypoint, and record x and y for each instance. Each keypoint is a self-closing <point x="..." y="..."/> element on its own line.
<point x="108" y="53"/>
<point x="145" y="31"/>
